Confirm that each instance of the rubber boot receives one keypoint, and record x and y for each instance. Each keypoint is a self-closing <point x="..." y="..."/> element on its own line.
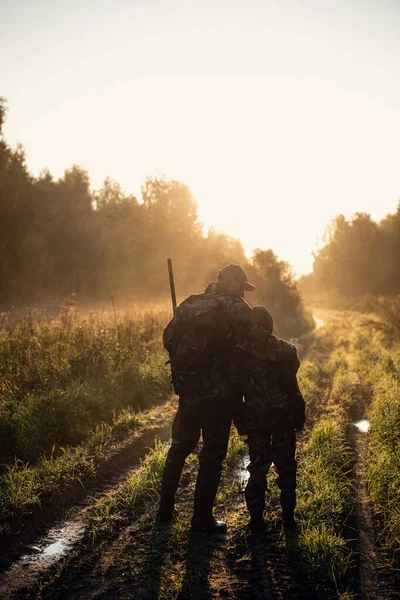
<point x="171" y="476"/>
<point x="204" y="495"/>
<point x="207" y="524"/>
<point x="166" y="512"/>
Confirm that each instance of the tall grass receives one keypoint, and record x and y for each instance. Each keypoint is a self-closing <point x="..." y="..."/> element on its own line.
<point x="325" y="494"/>
<point x="378" y="361"/>
<point x="60" y="378"/>
<point x="22" y="485"/>
<point x="141" y="489"/>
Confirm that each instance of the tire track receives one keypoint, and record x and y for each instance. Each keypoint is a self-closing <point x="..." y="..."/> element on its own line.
<point x="60" y="540"/>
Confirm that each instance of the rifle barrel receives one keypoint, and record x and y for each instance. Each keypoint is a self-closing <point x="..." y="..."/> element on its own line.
<point x="172" y="283"/>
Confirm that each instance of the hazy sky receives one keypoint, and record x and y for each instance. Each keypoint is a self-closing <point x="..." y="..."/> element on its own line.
<point x="277" y="114"/>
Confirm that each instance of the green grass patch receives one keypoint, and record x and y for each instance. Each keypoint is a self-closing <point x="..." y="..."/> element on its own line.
<point x="60" y="378"/>
<point x="378" y="361"/>
<point x="140" y="489"/>
<point x="325" y="491"/>
<point x="22" y="485"/>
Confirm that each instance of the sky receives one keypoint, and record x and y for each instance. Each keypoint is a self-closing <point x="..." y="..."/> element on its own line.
<point x="278" y="115"/>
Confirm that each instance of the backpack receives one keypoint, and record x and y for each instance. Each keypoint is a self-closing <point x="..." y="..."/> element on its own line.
<point x="197" y="339"/>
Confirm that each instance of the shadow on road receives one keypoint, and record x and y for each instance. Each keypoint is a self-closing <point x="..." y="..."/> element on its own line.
<point x="149" y="578"/>
<point x="199" y="553"/>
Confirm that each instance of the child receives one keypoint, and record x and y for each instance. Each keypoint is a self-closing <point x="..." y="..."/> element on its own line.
<point x="274" y="410"/>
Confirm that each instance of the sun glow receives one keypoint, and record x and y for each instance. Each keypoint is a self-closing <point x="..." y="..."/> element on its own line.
<point x="276" y="121"/>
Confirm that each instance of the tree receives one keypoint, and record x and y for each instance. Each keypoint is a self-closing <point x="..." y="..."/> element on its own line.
<point x="277" y="290"/>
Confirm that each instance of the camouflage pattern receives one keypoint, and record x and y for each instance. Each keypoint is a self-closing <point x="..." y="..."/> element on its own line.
<point x="274" y="408"/>
<point x="272" y="396"/>
<point x="202" y="341"/>
<point x="279" y="448"/>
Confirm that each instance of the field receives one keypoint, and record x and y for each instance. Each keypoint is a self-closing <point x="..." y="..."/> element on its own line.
<point x="85" y="415"/>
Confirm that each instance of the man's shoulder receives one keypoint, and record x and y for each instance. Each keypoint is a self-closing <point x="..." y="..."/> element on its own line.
<point x="236" y="304"/>
<point x="215" y="297"/>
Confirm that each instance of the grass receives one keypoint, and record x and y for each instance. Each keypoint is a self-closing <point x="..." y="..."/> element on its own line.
<point x="325" y="492"/>
<point x="69" y="388"/>
<point x="326" y="499"/>
<point x="140" y="489"/>
<point x="22" y="486"/>
<point x="378" y="361"/>
<point x="60" y="378"/>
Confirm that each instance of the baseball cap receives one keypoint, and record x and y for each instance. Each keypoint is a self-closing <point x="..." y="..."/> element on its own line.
<point x="237" y="273"/>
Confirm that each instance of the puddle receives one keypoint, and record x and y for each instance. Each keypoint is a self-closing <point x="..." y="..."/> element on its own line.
<point x="46" y="552"/>
<point x="57" y="543"/>
<point x="65" y="538"/>
<point x="362" y="425"/>
<point x="242" y="472"/>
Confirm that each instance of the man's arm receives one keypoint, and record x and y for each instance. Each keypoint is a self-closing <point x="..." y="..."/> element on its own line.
<point x="289" y="366"/>
<point x="297" y="406"/>
<point x="251" y="338"/>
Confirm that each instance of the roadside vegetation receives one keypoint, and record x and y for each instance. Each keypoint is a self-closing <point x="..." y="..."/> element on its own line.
<point x="71" y="390"/>
<point x="61" y="378"/>
<point x="325" y="493"/>
<point x="377" y="355"/>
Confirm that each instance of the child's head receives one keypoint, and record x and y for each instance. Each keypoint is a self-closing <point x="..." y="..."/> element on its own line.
<point x="262" y="317"/>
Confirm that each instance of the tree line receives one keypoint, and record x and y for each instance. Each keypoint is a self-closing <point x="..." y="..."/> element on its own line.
<point x="360" y="258"/>
<point x="59" y="237"/>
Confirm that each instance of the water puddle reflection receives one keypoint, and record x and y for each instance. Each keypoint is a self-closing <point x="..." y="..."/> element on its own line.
<point x="57" y="543"/>
<point x="243" y="474"/>
<point x="362" y="425"/>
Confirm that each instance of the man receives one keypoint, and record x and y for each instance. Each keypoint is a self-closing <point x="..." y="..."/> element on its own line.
<point x="202" y="341"/>
<point x="274" y="410"/>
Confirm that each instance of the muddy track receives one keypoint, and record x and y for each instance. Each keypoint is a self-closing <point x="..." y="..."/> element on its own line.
<point x="43" y="544"/>
<point x="367" y="551"/>
<point x="375" y="580"/>
<point x="145" y="561"/>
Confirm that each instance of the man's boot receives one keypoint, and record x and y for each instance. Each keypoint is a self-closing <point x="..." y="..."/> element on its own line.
<point x="207" y="524"/>
<point x="167" y="511"/>
<point x="170" y="481"/>
<point x="204" y="495"/>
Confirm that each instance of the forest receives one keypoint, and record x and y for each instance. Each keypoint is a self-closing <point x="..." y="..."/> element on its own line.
<point x="61" y="241"/>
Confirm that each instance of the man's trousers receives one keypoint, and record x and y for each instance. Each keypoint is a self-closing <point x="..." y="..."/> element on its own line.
<point x="212" y="419"/>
